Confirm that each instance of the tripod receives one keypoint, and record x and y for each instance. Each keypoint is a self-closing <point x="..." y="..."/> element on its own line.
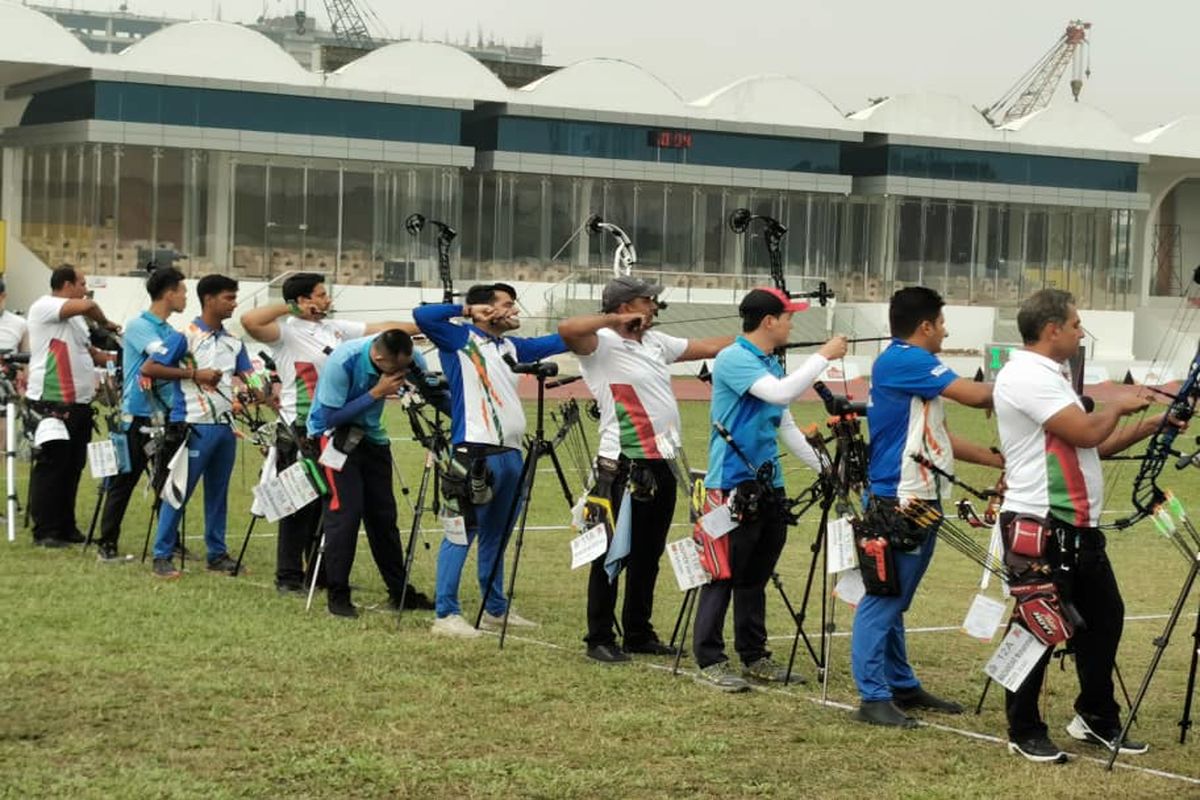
<point x="433" y="438"/>
<point x="535" y="448"/>
<point x="1161" y="642"/>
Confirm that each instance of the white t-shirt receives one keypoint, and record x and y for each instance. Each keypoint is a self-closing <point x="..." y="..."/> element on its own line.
<point x="300" y="354"/>
<point x="632" y="386"/>
<point x="61" y="369"/>
<point x="12" y="330"/>
<point x="1045" y="475"/>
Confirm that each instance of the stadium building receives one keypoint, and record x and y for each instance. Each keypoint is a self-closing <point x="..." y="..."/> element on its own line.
<point x="207" y="146"/>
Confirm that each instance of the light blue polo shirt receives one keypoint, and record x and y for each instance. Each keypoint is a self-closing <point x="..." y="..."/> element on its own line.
<point x="753" y="423"/>
<point x="145" y="336"/>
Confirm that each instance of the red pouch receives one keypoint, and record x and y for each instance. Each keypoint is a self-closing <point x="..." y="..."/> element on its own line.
<point x="1027" y="537"/>
<point x="714" y="553"/>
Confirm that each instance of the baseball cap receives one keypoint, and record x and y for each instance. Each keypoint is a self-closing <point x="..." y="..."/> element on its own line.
<point x="624" y="288"/>
<point x="766" y="300"/>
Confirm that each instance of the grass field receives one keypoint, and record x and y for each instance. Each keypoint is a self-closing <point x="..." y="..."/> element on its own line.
<point x="115" y="685"/>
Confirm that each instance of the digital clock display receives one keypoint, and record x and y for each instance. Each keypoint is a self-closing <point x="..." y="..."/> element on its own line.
<point x="676" y="140"/>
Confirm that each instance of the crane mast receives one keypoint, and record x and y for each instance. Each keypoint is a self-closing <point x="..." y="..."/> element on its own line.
<point x="347" y="24"/>
<point x="1036" y="88"/>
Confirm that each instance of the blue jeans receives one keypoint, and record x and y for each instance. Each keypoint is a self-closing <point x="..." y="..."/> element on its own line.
<point x="490" y="528"/>
<point x="878" y="654"/>
<point x="211" y="453"/>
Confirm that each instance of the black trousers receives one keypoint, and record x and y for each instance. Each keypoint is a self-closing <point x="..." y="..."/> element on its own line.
<point x="1098" y="600"/>
<point x="651" y="521"/>
<point x="361" y="493"/>
<point x="297" y="532"/>
<point x="754" y="551"/>
<point x="121" y="486"/>
<point x="54" y="479"/>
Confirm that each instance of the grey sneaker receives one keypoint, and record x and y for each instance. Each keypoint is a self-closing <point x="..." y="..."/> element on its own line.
<point x="222" y="563"/>
<point x="165" y="568"/>
<point x="765" y="670"/>
<point x="722" y="677"/>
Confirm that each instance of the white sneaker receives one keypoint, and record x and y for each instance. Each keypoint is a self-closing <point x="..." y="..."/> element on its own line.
<point x="515" y="620"/>
<point x="454" y="625"/>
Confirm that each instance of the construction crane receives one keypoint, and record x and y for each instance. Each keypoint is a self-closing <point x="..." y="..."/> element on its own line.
<point x="1035" y="89"/>
<point x="348" y="25"/>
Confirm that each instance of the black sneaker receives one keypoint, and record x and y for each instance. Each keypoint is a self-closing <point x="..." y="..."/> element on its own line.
<point x="1038" y="749"/>
<point x="653" y="647"/>
<point x="906" y="699"/>
<point x="75" y="537"/>
<point x="1093" y="733"/>
<point x="608" y="654"/>
<point x="882" y="712"/>
<point x="286" y="588"/>
<point x="165" y="568"/>
<point x="108" y="554"/>
<point x="51" y="543"/>
<point x="222" y="563"/>
<point x="342" y="607"/>
<point x="413" y="601"/>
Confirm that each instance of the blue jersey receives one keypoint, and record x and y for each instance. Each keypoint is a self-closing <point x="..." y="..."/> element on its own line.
<point x="484" y="404"/>
<point x="348" y="374"/>
<point x="906" y="415"/>
<point x="145" y="335"/>
<point x="753" y="423"/>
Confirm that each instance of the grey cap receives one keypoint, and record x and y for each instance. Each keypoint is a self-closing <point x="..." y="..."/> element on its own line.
<point x="625" y="288"/>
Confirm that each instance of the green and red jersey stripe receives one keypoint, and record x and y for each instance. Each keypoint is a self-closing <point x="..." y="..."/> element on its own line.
<point x="306" y="388"/>
<point x="637" y="433"/>
<point x="1066" y="484"/>
<point x="58" y="384"/>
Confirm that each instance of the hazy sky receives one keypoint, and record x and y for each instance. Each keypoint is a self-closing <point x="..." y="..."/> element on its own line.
<point x="1142" y="74"/>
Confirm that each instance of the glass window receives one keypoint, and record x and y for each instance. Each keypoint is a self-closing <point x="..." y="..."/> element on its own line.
<point x="358" y="221"/>
<point x="135" y="212"/>
<point x="527" y="217"/>
<point x="648" y="233"/>
<point x="321" y="219"/>
<point x="169" y="203"/>
<point x="250" y="221"/>
<point x="680" y="228"/>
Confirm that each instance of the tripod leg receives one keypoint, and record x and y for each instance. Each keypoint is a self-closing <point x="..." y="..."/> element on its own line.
<point x="100" y="494"/>
<point x="526" y="472"/>
<point x="245" y="543"/>
<point x="527" y="497"/>
<point x="1121" y="683"/>
<point x="1185" y="722"/>
<point x="679" y="617"/>
<point x="689" y="606"/>
<point x="1160" y="646"/>
<point x="562" y="478"/>
<point x="828" y="655"/>
<point x="414" y="531"/>
<point x="312" y="585"/>
<point x="150" y="527"/>
<point x="818" y="547"/>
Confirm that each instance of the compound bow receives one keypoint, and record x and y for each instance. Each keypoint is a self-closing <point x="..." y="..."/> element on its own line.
<point x="414" y="224"/>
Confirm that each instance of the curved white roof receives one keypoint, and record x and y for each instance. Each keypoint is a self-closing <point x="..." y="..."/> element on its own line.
<point x="604" y="84"/>
<point x="30" y="36"/>
<point x="773" y="100"/>
<point x="213" y="50"/>
<point x="421" y="68"/>
<point x="926" y="114"/>
<point x="1072" y="124"/>
<point x="1179" y="137"/>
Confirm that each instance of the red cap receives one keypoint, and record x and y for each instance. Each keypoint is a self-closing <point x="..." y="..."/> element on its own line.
<point x="769" y="300"/>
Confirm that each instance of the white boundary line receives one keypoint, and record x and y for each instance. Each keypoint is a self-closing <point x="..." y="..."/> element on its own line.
<point x="963" y="732"/>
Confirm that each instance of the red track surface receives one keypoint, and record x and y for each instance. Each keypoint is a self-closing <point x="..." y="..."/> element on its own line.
<point x="693" y="389"/>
